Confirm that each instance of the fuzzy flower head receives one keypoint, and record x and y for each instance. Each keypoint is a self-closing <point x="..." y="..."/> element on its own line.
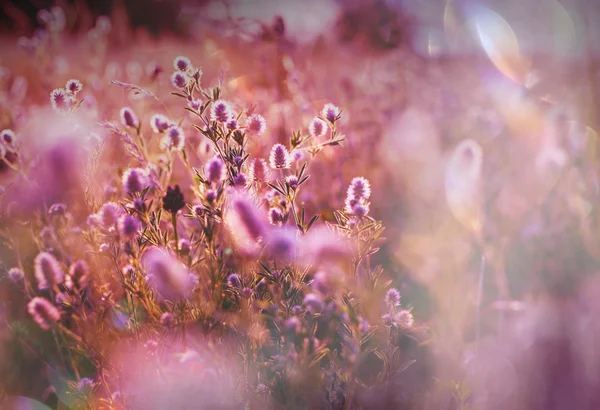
<point x="174" y="139"/>
<point x="109" y="214"/>
<point x="245" y="222"/>
<point x="240" y="180"/>
<point x="7" y="137"/>
<point x="331" y="113"/>
<point x="392" y="298"/>
<point x="166" y="274"/>
<point x="47" y="271"/>
<point x="60" y="100"/>
<point x="179" y="79"/>
<point x="275" y="216"/>
<point x="282" y="244"/>
<point x="16" y="275"/>
<point x="280" y="157"/>
<point x="232" y="124"/>
<point x="195" y="104"/>
<point x="181" y="63"/>
<point x="404" y="319"/>
<point x="159" y="123"/>
<point x="317" y="128"/>
<point x="44" y="313"/>
<point x="359" y="189"/>
<point x="129" y="227"/>
<point x="258" y="170"/>
<point x="221" y="111"/>
<point x="128" y="118"/>
<point x="313" y="303"/>
<point x="173" y="201"/>
<point x="134" y="180"/>
<point x="79" y="273"/>
<point x="167" y="320"/>
<point x="215" y="170"/>
<point x="256" y="124"/>
<point x="73" y="87"/>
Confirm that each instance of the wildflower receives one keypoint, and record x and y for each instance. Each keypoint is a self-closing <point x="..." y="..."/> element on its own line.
<point x="387" y="319"/>
<point x="215" y="170"/>
<point x="109" y="214"/>
<point x="173" y="201"/>
<point x="248" y="218"/>
<point x="404" y="319"/>
<point x="313" y="303"/>
<point x="195" y="104"/>
<point x="166" y="274"/>
<point x="221" y="111"/>
<point x="198" y="210"/>
<point x="331" y="113"/>
<point x="240" y="180"/>
<point x="361" y="208"/>
<point x="16" y="275"/>
<point x="233" y="280"/>
<point x="44" y="313"/>
<point x="292" y="325"/>
<point x="256" y="124"/>
<point x="275" y="216"/>
<point x="174" y="139"/>
<point x="73" y="87"/>
<point x="359" y="188"/>
<point x="292" y="181"/>
<point x="134" y="180"/>
<point x="85" y="386"/>
<point x="128" y="227"/>
<point x="181" y="63"/>
<point x="317" y="128"/>
<point x="159" y="123"/>
<point x="258" y="170"/>
<point x="59" y="99"/>
<point x="246" y="293"/>
<point x="167" y="320"/>
<point x="279" y="158"/>
<point x="232" y="124"/>
<point x="392" y="298"/>
<point x="47" y="271"/>
<point x="79" y="272"/>
<point x="128" y="118"/>
<point x="57" y="210"/>
<point x="179" y="79"/>
<point x="8" y="137"/>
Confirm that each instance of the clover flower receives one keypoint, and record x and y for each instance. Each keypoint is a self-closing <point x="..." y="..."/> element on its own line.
<point x="317" y="128"/>
<point x="404" y="319"/>
<point x="44" y="313"/>
<point x="195" y="104"/>
<point x="232" y="124"/>
<point x="233" y="280"/>
<point x="159" y="123"/>
<point x="129" y="227"/>
<point x="313" y="303"/>
<point x="47" y="271"/>
<point x="258" y="170"/>
<point x="128" y="118"/>
<point x="166" y="274"/>
<point x="275" y="216"/>
<point x="73" y="87"/>
<point x="215" y="170"/>
<point x="134" y="180"/>
<point x="181" y="63"/>
<point x="256" y="124"/>
<point x="167" y="320"/>
<point x="359" y="188"/>
<point x="79" y="272"/>
<point x="280" y="157"/>
<point x="174" y="139"/>
<point x="173" y="200"/>
<point x="8" y="137"/>
<point x="179" y="79"/>
<point x="392" y="298"/>
<point x="331" y="113"/>
<point x="16" y="275"/>
<point x="109" y="214"/>
<point x="221" y="111"/>
<point x="60" y="100"/>
<point x="240" y="180"/>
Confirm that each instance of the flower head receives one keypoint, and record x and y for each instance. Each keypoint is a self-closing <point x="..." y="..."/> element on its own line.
<point x="317" y="128"/>
<point x="359" y="188"/>
<point x="181" y="63"/>
<point x="221" y="111"/>
<point x="179" y="79"/>
<point x="109" y="214"/>
<point x="166" y="274"/>
<point x="256" y="124"/>
<point x="280" y="157"/>
<point x="173" y="201"/>
<point x="313" y="303"/>
<point x="59" y="99"/>
<point x="331" y="113"/>
<point x="134" y="180"/>
<point x="159" y="123"/>
<point x="44" y="313"/>
<point x="79" y="272"/>
<point x="258" y="170"/>
<point x="195" y="104"/>
<point x="404" y="319"/>
<point x="167" y="320"/>
<point x="240" y="180"/>
<point x="73" y="86"/>
<point x="232" y="124"/>
<point x="275" y="216"/>
<point x="7" y="137"/>
<point x="174" y="139"/>
<point x="128" y="118"/>
<point x="392" y="298"/>
<point x="215" y="170"/>
<point x="16" y="275"/>
<point x="47" y="271"/>
<point x="128" y="227"/>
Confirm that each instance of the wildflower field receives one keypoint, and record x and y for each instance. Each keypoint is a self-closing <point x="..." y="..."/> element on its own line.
<point x="327" y="204"/>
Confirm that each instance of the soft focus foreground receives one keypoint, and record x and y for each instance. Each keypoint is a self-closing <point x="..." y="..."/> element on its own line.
<point x="194" y="200"/>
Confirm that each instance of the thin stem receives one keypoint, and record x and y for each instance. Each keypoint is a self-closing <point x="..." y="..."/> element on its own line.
<point x="478" y="300"/>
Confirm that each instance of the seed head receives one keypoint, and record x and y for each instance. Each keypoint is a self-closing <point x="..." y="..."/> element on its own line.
<point x="280" y="157"/>
<point x="44" y="313"/>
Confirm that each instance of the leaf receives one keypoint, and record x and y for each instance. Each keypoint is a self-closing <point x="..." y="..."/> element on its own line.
<point x="23" y="403"/>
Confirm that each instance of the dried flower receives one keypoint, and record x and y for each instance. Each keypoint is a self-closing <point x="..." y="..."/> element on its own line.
<point x="221" y="111"/>
<point x="215" y="170"/>
<point x="128" y="118"/>
<point x="173" y="201"/>
<point x="317" y="128"/>
<point x="128" y="227"/>
<point x="134" y="180"/>
<point x="179" y="79"/>
<point x="258" y="170"/>
<point x="174" y="139"/>
<point x="166" y="274"/>
<point x="392" y="298"/>
<point x="47" y="271"/>
<point x="44" y="313"/>
<point x="256" y="124"/>
<point x="331" y="113"/>
<point x="181" y="63"/>
<point x="73" y="87"/>
<point x="159" y="123"/>
<point x="279" y="158"/>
